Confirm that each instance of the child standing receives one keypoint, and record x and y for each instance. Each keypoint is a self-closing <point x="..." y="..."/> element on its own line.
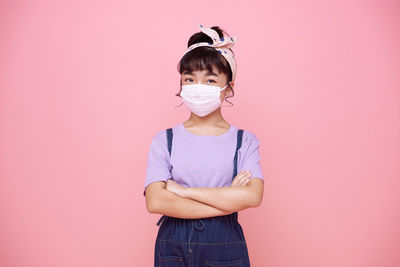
<point x="203" y="171"/>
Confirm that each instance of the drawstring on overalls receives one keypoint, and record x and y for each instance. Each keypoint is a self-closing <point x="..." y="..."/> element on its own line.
<point x="160" y="220"/>
<point x="201" y="228"/>
<point x="194" y="221"/>
<point x="194" y="226"/>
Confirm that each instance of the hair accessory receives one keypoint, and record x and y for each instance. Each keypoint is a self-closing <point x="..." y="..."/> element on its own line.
<point x="222" y="45"/>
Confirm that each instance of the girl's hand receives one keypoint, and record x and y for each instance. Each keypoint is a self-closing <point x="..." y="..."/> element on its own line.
<point x="241" y="179"/>
<point x="176" y="188"/>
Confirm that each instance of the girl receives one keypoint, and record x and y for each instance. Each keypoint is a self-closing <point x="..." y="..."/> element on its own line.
<point x="201" y="172"/>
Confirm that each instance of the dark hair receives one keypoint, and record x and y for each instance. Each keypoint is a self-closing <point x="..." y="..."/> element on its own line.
<point x="205" y="57"/>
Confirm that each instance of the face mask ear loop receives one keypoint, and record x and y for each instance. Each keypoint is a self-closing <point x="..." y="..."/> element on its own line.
<point x="223" y="88"/>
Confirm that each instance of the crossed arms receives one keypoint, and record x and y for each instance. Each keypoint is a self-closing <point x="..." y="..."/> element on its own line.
<point x="171" y="199"/>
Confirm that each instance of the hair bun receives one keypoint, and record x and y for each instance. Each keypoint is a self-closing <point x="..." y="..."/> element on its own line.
<point x="200" y="37"/>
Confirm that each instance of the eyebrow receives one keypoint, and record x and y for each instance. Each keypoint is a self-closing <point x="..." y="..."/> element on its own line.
<point x="207" y="74"/>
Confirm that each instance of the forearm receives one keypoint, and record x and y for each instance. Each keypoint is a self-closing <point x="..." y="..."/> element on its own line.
<point x="173" y="205"/>
<point x="231" y="198"/>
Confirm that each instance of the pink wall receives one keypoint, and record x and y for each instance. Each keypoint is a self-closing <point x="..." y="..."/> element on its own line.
<point x="84" y="85"/>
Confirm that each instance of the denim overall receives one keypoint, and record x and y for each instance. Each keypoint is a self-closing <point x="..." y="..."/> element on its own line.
<point x="212" y="241"/>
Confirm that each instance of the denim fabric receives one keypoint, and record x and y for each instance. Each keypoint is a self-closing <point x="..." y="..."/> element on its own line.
<point x="212" y="241"/>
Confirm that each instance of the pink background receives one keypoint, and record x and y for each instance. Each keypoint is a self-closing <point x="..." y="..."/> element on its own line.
<point x="84" y="86"/>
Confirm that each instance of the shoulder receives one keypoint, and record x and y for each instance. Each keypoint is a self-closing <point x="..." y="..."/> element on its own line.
<point x="250" y="142"/>
<point x="161" y="135"/>
<point x="249" y="136"/>
<point x="159" y="138"/>
<point x="158" y="145"/>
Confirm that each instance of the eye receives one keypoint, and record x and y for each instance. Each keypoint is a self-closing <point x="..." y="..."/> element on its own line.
<point x="187" y="79"/>
<point x="211" y="80"/>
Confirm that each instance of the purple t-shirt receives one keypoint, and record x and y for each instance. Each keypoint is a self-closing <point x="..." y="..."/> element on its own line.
<point x="201" y="160"/>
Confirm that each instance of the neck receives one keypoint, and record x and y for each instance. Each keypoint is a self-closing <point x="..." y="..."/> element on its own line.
<point x="214" y="118"/>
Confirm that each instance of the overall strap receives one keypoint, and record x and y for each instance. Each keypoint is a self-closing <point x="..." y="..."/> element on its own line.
<point x="169" y="142"/>
<point x="238" y="145"/>
<point x="169" y="139"/>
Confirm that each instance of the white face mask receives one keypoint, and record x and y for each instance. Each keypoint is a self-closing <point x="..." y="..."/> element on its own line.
<point x="201" y="99"/>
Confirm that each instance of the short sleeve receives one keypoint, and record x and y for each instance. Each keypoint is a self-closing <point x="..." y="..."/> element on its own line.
<point x="158" y="163"/>
<point x="249" y="155"/>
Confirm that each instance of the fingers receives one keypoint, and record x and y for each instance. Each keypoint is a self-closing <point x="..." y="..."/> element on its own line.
<point x="169" y="183"/>
<point x="242" y="178"/>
